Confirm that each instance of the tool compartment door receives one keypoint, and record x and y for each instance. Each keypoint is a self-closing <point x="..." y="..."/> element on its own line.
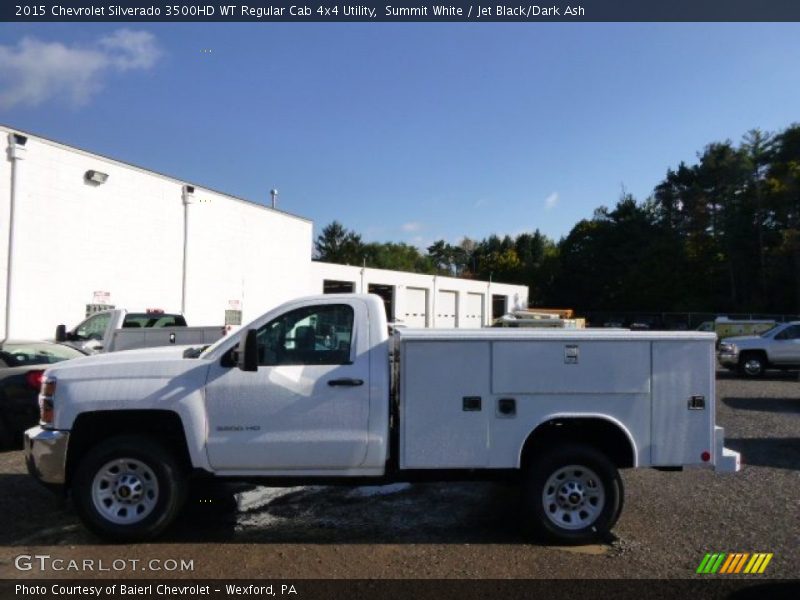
<point x="436" y="430"/>
<point x="682" y="370"/>
<point x="576" y="366"/>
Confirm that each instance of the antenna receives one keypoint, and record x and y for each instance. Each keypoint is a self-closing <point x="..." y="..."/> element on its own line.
<point x="274" y="194"/>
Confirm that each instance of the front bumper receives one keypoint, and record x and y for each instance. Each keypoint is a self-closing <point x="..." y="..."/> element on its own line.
<point x="725" y="459"/>
<point x="729" y="360"/>
<point x="46" y="454"/>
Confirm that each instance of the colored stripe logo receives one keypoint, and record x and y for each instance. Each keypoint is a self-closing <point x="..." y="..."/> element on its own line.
<point x="736" y="562"/>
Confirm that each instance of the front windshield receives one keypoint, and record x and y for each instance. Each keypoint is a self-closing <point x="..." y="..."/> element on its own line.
<point x="36" y="353"/>
<point x="771" y="330"/>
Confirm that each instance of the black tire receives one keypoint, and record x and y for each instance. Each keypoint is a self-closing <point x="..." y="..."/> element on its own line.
<point x="548" y="520"/>
<point x="165" y="498"/>
<point x="752" y="365"/>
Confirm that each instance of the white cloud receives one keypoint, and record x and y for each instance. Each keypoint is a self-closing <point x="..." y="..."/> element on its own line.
<point x="128" y="49"/>
<point x="551" y="201"/>
<point x="35" y="71"/>
<point x="411" y="226"/>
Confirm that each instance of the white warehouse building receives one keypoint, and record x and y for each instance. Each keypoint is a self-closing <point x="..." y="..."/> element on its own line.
<point x="79" y="231"/>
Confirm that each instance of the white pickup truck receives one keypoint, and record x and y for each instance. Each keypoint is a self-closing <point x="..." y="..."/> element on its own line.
<point x="317" y="391"/>
<point x="118" y="329"/>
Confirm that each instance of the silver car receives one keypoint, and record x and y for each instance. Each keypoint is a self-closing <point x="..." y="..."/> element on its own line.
<point x="751" y="355"/>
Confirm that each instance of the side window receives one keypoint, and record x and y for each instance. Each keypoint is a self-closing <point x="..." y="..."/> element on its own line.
<point x="790" y="333"/>
<point x="153" y="320"/>
<point x="169" y="321"/>
<point x="312" y="335"/>
<point x="94" y="327"/>
<point x="134" y="320"/>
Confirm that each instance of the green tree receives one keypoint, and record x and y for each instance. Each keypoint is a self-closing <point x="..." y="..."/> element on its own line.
<point x="442" y="256"/>
<point x="396" y="257"/>
<point x="337" y="244"/>
<point x="783" y="191"/>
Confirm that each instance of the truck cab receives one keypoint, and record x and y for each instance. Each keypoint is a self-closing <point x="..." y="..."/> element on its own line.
<point x="118" y="329"/>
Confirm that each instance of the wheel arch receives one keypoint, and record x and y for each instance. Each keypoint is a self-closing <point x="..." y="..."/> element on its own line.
<point x="603" y="432"/>
<point x="757" y="351"/>
<point x="91" y="428"/>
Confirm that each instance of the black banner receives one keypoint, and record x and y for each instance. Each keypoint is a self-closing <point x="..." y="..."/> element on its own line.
<point x="401" y="11"/>
<point x="744" y="588"/>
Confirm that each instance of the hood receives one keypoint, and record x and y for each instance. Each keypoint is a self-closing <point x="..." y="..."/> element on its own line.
<point x="148" y="378"/>
<point x="138" y="355"/>
<point x="122" y="357"/>
<point x="741" y="338"/>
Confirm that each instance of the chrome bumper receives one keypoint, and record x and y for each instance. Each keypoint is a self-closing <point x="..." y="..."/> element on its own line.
<point x="725" y="459"/>
<point x="46" y="454"/>
<point x="728" y="360"/>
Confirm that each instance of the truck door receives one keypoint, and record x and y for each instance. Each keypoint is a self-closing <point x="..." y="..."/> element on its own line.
<point x="785" y="350"/>
<point x="307" y="405"/>
<point x="90" y="334"/>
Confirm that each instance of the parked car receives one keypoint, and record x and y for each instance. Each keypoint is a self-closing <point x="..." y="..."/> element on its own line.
<point x="22" y="365"/>
<point x="752" y="355"/>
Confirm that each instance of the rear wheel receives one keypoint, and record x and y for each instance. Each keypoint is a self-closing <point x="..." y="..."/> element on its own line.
<point x="573" y="494"/>
<point x="128" y="488"/>
<point x="752" y="364"/>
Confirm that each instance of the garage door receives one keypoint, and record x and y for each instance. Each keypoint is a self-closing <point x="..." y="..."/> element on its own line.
<point x="446" y="309"/>
<point x="473" y="315"/>
<point x="416" y="307"/>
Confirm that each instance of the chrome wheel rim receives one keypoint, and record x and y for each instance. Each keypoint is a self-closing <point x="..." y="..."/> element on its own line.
<point x="125" y="491"/>
<point x="573" y="497"/>
<point x="752" y="366"/>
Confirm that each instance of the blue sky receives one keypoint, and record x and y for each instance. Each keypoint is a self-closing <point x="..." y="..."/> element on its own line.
<point x="405" y="132"/>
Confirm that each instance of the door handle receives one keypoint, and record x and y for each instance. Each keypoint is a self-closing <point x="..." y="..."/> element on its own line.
<point x="345" y="381"/>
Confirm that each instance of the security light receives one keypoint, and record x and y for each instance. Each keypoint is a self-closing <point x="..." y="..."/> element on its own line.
<point x="95" y="177"/>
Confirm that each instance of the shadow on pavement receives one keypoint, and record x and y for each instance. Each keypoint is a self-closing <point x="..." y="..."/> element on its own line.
<point x="780" y="453"/>
<point x="779" y="405"/>
<point x="27" y="509"/>
<point x="768" y="376"/>
<point x="420" y="513"/>
<point x="218" y="512"/>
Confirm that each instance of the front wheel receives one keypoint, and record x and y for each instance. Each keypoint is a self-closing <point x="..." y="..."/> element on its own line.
<point x="752" y="365"/>
<point x="128" y="488"/>
<point x="573" y="494"/>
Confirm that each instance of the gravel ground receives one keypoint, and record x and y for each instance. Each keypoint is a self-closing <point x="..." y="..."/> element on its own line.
<point x="669" y="522"/>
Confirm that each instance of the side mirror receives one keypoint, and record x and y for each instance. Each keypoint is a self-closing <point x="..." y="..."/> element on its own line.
<point x="61" y="333"/>
<point x="247" y="354"/>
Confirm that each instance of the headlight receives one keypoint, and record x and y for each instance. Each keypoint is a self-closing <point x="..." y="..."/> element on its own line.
<point x="727" y="347"/>
<point x="46" y="394"/>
